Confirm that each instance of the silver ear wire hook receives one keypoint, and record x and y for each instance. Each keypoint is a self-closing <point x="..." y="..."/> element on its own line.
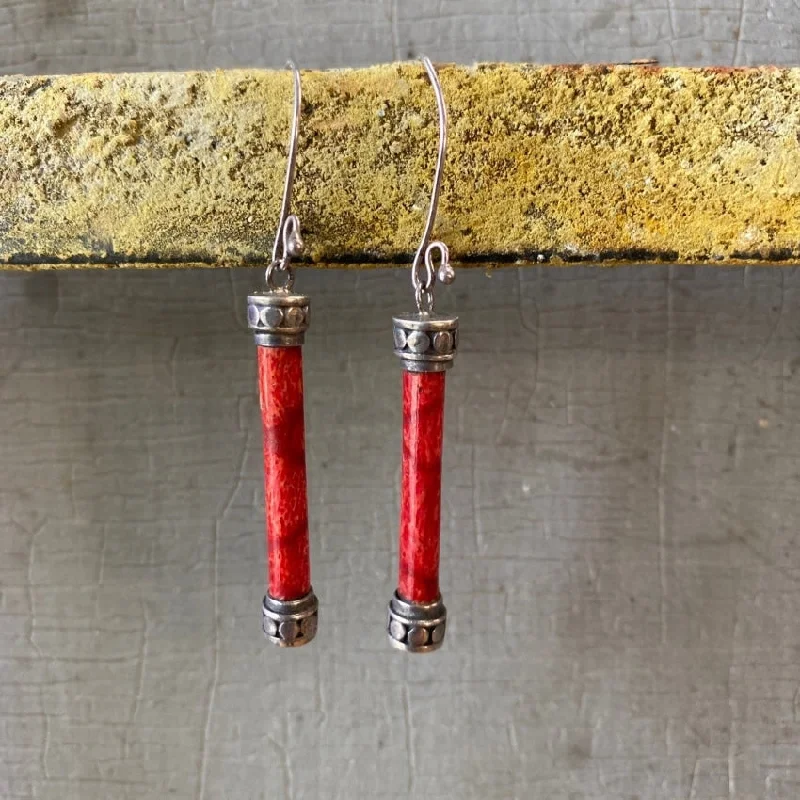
<point x="288" y="242"/>
<point x="423" y="287"/>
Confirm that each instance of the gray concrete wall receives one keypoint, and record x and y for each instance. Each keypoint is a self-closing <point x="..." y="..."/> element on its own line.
<point x="44" y="36"/>
<point x="620" y="513"/>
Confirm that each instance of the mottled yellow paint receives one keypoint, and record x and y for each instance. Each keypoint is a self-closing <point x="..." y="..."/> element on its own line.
<point x="609" y="164"/>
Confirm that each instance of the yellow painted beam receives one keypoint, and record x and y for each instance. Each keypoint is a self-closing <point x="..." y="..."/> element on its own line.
<point x="546" y="165"/>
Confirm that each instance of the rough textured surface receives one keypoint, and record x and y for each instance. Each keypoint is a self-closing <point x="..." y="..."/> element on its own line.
<point x="546" y="164"/>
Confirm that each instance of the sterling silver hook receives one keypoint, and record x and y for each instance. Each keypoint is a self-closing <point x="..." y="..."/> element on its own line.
<point x="423" y="282"/>
<point x="288" y="242"/>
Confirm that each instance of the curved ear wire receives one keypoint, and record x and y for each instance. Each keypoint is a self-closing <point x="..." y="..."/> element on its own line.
<point x="279" y="251"/>
<point x="437" y="176"/>
<point x="423" y="281"/>
<point x="288" y="242"/>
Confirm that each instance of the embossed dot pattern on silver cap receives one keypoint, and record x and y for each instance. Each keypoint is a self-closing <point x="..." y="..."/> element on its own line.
<point x="425" y="342"/>
<point x="416" y="627"/>
<point x="290" y="623"/>
<point x="278" y="319"/>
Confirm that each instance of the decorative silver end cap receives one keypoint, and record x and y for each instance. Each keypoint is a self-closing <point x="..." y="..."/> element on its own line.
<point x="278" y="319"/>
<point x="290" y="623"/>
<point x="425" y="342"/>
<point x="416" y="627"/>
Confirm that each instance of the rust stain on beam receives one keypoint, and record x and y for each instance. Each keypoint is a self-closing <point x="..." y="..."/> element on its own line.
<point x="626" y="164"/>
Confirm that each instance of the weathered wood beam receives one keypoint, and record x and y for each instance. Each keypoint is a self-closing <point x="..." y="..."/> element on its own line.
<point x="546" y="164"/>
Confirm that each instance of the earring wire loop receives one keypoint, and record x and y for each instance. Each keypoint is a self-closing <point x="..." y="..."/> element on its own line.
<point x="279" y="250"/>
<point x="288" y="242"/>
<point x="423" y="286"/>
<point x="437" y="177"/>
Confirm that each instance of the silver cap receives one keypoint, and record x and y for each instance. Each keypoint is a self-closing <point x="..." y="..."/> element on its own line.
<point x="290" y="623"/>
<point x="425" y="342"/>
<point x="416" y="627"/>
<point x="278" y="319"/>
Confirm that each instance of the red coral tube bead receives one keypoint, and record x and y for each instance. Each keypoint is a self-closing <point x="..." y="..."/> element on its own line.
<point x="279" y="321"/>
<point x="427" y="344"/>
<point x="420" y="497"/>
<point x="280" y="382"/>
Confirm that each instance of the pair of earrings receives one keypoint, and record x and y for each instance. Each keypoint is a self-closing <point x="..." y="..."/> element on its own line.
<point x="426" y="344"/>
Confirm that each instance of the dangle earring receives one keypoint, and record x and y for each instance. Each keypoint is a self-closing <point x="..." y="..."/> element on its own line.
<point x="426" y="343"/>
<point x="279" y="319"/>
